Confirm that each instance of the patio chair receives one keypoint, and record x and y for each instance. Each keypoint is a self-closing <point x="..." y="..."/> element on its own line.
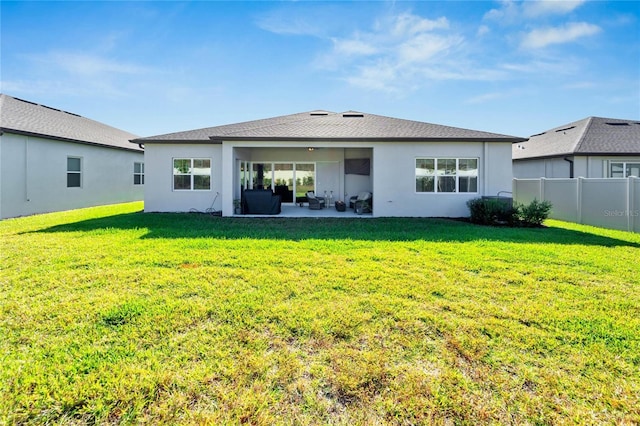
<point x="363" y="203"/>
<point x="315" y="203"/>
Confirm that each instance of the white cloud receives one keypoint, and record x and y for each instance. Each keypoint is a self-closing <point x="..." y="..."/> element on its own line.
<point x="565" y="65"/>
<point x="423" y="47"/>
<point x="483" y="30"/>
<point x="62" y="87"/>
<point x="353" y="47"/>
<point x="77" y="74"/>
<point x="294" y="26"/>
<point x="375" y="77"/>
<point x="399" y="52"/>
<point x="549" y="7"/>
<point x="407" y="25"/>
<point x="86" y="64"/>
<point x="511" y="11"/>
<point x="507" y="12"/>
<point x="542" y="37"/>
<point x="487" y="97"/>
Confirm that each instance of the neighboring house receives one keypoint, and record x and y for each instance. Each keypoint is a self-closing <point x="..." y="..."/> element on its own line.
<point x="52" y="160"/>
<point x="594" y="147"/>
<point x="412" y="168"/>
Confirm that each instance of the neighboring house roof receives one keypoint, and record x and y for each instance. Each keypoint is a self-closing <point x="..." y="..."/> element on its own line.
<point x="31" y="119"/>
<point x="325" y="125"/>
<point x="589" y="136"/>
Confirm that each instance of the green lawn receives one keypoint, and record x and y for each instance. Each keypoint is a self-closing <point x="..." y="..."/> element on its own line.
<point x="109" y="315"/>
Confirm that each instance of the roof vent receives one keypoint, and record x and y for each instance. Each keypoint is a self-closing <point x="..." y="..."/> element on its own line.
<point x="318" y="113"/>
<point x="565" y="129"/>
<point x="538" y="134"/>
<point x="617" y="124"/>
<point x="59" y="110"/>
<point x="353" y="115"/>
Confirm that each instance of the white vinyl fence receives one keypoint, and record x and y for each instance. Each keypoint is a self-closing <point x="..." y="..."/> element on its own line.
<point x="609" y="203"/>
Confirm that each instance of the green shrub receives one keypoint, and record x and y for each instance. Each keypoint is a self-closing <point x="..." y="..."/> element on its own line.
<point x="534" y="214"/>
<point x="487" y="211"/>
<point x="493" y="211"/>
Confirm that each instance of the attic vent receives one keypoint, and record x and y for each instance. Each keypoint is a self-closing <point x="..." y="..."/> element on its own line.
<point x="318" y="113"/>
<point x="538" y="134"/>
<point x="618" y="124"/>
<point x="353" y="115"/>
<point x="565" y="129"/>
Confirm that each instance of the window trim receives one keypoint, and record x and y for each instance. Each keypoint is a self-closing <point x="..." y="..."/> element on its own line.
<point x="624" y="168"/>
<point x="139" y="174"/>
<point x="74" y="172"/>
<point x="191" y="174"/>
<point x="456" y="175"/>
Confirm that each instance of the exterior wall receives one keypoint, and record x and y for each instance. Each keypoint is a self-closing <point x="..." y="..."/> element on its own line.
<point x="543" y="167"/>
<point x="159" y="195"/>
<point x="354" y="184"/>
<point x="598" y="166"/>
<point x="33" y="176"/>
<point x="583" y="166"/>
<point x="394" y="180"/>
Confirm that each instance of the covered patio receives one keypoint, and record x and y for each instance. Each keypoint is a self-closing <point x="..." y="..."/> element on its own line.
<point x="297" y="211"/>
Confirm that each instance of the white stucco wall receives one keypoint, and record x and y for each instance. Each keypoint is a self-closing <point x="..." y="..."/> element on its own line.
<point x="543" y="167"/>
<point x="593" y="166"/>
<point x="159" y="195"/>
<point x="598" y="166"/>
<point x="33" y="175"/>
<point x="394" y="180"/>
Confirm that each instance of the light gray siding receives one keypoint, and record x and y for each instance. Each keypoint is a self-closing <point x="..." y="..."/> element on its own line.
<point x="33" y="175"/>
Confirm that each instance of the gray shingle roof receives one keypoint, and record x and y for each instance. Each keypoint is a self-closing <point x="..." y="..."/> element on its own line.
<point x="589" y="136"/>
<point x="28" y="118"/>
<point x="325" y="125"/>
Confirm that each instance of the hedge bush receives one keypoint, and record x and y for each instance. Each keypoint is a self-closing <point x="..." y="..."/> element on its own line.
<point x="492" y="211"/>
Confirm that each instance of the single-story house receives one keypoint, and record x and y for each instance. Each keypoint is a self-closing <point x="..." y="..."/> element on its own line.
<point x="53" y="160"/>
<point x="411" y="168"/>
<point x="594" y="147"/>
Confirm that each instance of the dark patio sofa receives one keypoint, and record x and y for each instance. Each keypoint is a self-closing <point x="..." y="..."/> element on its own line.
<point x="260" y="201"/>
<point x="286" y="195"/>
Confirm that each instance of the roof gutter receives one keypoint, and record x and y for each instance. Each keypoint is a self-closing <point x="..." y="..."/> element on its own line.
<point x="62" y="139"/>
<point x="219" y="139"/>
<point x="574" y="154"/>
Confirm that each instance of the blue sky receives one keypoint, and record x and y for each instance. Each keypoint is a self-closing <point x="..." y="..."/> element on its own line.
<point x="513" y="67"/>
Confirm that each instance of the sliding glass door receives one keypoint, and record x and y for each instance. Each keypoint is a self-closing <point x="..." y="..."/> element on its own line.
<point x="305" y="178"/>
<point x="287" y="179"/>
<point x="283" y="181"/>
